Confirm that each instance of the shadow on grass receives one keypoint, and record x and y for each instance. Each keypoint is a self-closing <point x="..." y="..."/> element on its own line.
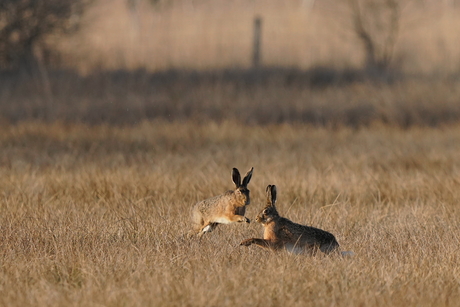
<point x="320" y="97"/>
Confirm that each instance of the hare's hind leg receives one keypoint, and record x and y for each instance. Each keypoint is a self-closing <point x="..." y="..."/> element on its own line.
<point x="207" y="228"/>
<point x="330" y="247"/>
<point x="198" y="223"/>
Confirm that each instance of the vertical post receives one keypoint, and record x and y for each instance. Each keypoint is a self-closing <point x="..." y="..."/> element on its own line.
<point x="256" y="42"/>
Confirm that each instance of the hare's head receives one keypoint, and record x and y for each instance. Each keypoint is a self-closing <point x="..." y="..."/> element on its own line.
<point x="241" y="187"/>
<point x="269" y="213"/>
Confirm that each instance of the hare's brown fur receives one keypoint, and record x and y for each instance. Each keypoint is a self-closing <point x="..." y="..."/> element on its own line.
<point x="281" y="233"/>
<point x="227" y="208"/>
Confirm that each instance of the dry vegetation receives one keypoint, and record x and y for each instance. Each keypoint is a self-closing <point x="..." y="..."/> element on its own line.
<point x="312" y="67"/>
<point x="98" y="171"/>
<point x="217" y="34"/>
<point x="94" y="216"/>
<point x="323" y="97"/>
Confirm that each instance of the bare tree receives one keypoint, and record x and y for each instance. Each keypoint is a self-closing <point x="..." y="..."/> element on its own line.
<point x="25" y="24"/>
<point x="376" y="23"/>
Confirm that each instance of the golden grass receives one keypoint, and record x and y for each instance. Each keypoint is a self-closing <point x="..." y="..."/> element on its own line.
<point x="93" y="216"/>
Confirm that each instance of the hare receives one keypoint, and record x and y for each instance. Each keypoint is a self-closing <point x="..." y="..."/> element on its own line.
<point x="222" y="209"/>
<point x="282" y="233"/>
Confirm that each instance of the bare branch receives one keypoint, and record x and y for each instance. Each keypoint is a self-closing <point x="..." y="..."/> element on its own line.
<point x="376" y="24"/>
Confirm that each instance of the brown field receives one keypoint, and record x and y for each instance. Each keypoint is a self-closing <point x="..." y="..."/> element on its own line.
<point x="100" y="164"/>
<point x="94" y="215"/>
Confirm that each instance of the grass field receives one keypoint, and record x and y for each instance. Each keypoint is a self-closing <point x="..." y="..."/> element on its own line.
<point x="101" y="163"/>
<point x="94" y="215"/>
<point x="322" y="98"/>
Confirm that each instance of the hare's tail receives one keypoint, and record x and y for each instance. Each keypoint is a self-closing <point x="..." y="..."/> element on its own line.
<point x="347" y="254"/>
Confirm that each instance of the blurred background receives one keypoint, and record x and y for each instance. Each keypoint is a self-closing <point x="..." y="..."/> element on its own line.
<point x="326" y="63"/>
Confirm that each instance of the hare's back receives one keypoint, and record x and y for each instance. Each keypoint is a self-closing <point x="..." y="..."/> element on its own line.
<point x="308" y="235"/>
<point x="319" y="236"/>
<point x="210" y="204"/>
<point x="323" y="239"/>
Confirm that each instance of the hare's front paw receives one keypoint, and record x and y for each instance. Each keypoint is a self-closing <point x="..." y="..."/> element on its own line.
<point x="247" y="242"/>
<point x="244" y="219"/>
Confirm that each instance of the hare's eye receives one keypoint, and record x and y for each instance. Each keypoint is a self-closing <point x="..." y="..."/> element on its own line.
<point x="265" y="211"/>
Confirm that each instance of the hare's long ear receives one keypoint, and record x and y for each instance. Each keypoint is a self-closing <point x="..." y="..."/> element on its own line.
<point x="236" y="177"/>
<point x="247" y="177"/>
<point x="271" y="195"/>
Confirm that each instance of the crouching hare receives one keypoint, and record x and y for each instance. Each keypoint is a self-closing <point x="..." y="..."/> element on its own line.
<point x="222" y="209"/>
<point x="281" y="233"/>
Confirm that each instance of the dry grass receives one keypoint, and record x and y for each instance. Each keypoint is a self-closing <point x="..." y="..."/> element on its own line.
<point x="322" y="97"/>
<point x="205" y="35"/>
<point x="93" y="216"/>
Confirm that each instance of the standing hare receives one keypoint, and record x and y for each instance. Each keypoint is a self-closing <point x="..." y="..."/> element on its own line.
<point x="281" y="233"/>
<point x="223" y="209"/>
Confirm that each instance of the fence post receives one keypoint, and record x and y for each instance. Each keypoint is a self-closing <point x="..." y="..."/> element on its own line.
<point x="256" y="42"/>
